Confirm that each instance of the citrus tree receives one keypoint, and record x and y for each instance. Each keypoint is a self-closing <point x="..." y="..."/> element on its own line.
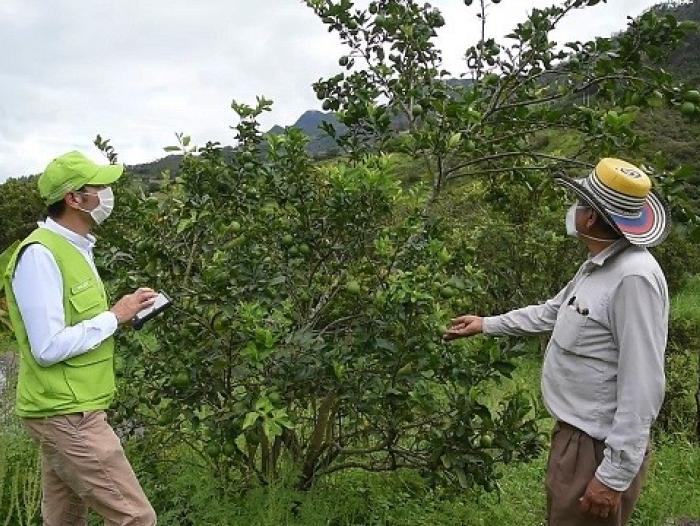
<point x="310" y="302"/>
<point x="487" y="122"/>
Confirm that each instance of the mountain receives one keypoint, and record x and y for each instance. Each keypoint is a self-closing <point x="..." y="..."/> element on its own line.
<point x="320" y="144"/>
<point x="685" y="61"/>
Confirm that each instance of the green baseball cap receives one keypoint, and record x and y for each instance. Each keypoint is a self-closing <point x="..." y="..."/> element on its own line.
<point x="71" y="171"/>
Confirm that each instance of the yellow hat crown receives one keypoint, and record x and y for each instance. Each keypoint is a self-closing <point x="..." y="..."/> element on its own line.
<point x="623" y="177"/>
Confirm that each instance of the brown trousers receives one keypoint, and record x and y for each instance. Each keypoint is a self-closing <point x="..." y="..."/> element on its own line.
<point x="573" y="459"/>
<point x="83" y="465"/>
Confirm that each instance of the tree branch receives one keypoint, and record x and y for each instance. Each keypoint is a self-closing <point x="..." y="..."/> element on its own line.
<point x="505" y="155"/>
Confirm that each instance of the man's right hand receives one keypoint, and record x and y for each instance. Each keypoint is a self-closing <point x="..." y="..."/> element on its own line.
<point x="464" y="326"/>
<point x="128" y="306"/>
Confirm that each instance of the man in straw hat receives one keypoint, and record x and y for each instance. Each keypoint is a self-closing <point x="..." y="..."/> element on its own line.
<point x="64" y="327"/>
<point x="603" y="374"/>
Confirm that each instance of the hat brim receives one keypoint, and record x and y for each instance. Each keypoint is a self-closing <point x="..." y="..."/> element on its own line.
<point x="106" y="175"/>
<point x="650" y="229"/>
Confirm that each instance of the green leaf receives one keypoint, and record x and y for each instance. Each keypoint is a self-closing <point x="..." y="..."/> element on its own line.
<point x="385" y="344"/>
<point x="250" y="419"/>
<point x="241" y="443"/>
<point x="184" y="225"/>
<point x="271" y="429"/>
<point x="462" y="478"/>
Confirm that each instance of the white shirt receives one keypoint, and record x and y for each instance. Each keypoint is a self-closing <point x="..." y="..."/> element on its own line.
<point x="38" y="289"/>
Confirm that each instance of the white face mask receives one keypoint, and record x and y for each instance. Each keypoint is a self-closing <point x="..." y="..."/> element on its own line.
<point x="105" y="206"/>
<point x="571" y="224"/>
<point x="571" y="221"/>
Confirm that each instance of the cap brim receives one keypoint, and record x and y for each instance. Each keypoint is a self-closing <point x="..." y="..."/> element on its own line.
<point x="650" y="229"/>
<point x="106" y="175"/>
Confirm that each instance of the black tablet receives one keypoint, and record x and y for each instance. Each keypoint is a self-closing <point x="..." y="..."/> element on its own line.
<point x="162" y="302"/>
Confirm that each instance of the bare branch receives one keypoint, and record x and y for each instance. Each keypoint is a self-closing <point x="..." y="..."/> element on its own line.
<point x="505" y="155"/>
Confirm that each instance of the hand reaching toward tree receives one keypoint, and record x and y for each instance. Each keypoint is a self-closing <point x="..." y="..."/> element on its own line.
<point x="463" y="327"/>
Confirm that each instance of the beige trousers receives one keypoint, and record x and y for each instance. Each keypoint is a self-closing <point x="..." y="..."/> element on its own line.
<point x="573" y="459"/>
<point x="84" y="466"/>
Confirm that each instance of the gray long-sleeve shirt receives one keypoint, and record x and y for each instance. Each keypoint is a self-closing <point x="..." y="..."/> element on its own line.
<point x="604" y="366"/>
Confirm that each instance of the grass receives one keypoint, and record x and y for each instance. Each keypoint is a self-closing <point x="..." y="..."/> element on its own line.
<point x="685" y="305"/>
<point x="360" y="499"/>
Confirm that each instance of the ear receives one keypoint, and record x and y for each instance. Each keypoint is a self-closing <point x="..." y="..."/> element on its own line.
<point x="591" y="219"/>
<point x="73" y="200"/>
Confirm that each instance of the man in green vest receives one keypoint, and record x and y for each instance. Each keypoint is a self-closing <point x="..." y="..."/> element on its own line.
<point x="64" y="328"/>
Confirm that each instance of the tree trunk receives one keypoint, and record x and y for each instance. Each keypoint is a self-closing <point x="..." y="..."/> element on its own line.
<point x="317" y="441"/>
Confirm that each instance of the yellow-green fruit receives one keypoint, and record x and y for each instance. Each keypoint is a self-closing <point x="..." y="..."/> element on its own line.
<point x="212" y="450"/>
<point x="288" y="239"/>
<point x="405" y="370"/>
<point x="688" y="108"/>
<point x="220" y="324"/>
<point x="353" y="287"/>
<point x="235" y="227"/>
<point x="486" y="440"/>
<point x="229" y="449"/>
<point x="447" y="292"/>
<point x="181" y="379"/>
<point x="304" y="248"/>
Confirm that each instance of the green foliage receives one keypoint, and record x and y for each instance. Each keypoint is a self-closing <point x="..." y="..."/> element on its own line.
<point x="4" y="260"/>
<point x="20" y="209"/>
<point x="681" y="412"/>
<point x="310" y="304"/>
<point x="484" y="127"/>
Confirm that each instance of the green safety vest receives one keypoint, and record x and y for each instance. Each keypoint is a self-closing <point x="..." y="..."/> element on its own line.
<point x="81" y="383"/>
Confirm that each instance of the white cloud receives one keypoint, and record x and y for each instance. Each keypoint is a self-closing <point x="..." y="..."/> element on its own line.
<point x="139" y="71"/>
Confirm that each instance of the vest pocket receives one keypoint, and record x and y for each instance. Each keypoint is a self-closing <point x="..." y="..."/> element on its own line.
<point x="86" y="299"/>
<point x="91" y="381"/>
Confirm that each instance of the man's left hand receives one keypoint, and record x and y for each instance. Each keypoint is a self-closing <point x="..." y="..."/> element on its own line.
<point x="599" y="500"/>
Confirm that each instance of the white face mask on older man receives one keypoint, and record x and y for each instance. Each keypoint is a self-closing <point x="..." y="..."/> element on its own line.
<point x="571" y="221"/>
<point x="571" y="229"/>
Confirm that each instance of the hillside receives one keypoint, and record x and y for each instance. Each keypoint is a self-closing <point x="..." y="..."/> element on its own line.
<point x="660" y="129"/>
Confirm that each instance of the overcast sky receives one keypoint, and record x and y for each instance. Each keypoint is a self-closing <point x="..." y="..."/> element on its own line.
<point x="138" y="71"/>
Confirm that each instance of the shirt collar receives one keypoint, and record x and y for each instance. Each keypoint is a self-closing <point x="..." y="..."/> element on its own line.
<point x="86" y="242"/>
<point x="615" y="248"/>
